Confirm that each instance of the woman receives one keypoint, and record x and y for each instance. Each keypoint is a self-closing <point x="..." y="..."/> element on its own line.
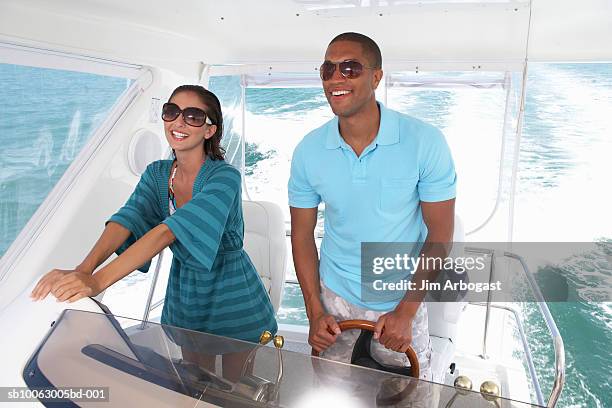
<point x="192" y="204"/>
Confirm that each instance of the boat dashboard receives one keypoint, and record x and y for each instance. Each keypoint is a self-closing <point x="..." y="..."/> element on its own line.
<point x="120" y="361"/>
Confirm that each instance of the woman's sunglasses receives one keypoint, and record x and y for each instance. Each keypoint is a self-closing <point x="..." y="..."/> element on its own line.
<point x="349" y="69"/>
<point x="195" y="117"/>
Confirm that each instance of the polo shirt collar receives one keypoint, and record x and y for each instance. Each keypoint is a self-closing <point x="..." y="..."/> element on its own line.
<point x="388" y="131"/>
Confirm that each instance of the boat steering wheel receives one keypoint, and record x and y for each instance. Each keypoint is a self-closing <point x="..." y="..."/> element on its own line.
<point x="368" y="329"/>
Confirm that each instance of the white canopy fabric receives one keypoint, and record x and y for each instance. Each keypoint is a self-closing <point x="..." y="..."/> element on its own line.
<point x="180" y="35"/>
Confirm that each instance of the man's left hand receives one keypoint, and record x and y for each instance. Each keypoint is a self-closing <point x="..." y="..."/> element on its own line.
<point x="394" y="330"/>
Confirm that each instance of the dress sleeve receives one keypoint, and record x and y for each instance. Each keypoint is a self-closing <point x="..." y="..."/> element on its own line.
<point x="141" y="212"/>
<point x="199" y="224"/>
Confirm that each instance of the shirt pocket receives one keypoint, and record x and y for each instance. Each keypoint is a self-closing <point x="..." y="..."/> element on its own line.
<point x="396" y="194"/>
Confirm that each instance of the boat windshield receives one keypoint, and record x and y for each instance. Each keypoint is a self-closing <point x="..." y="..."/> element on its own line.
<point x="149" y="364"/>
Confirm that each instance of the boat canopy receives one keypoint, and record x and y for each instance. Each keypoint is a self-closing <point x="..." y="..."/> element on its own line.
<point x="184" y="35"/>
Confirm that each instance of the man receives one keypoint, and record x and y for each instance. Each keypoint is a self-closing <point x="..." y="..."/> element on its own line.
<point x="384" y="177"/>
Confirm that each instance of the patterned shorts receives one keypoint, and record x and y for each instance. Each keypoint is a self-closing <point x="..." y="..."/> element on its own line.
<point x="342" y="349"/>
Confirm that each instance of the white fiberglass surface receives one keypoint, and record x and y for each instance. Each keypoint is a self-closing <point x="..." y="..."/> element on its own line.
<point x="47" y="117"/>
<point x="387" y="4"/>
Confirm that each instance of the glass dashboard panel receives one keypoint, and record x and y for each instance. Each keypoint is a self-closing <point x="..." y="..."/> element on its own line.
<point x="148" y="364"/>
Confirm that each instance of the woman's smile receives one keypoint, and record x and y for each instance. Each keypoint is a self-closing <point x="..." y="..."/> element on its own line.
<point x="179" y="136"/>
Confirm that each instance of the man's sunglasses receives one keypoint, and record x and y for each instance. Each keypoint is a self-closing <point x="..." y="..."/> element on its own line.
<point x="349" y="69"/>
<point x="195" y="117"/>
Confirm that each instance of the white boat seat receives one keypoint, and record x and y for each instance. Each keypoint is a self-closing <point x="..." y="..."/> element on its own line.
<point x="443" y="318"/>
<point x="265" y="243"/>
<point x="442" y="353"/>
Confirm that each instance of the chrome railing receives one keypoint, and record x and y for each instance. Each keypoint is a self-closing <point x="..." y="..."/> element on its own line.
<point x="148" y="306"/>
<point x="532" y="372"/>
<point x="552" y="329"/>
<point x="559" y="348"/>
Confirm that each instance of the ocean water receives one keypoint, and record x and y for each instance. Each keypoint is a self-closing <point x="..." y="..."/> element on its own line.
<point x="46" y="118"/>
<point x="564" y="191"/>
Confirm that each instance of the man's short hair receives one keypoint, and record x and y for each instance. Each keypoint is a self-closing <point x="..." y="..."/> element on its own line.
<point x="370" y="48"/>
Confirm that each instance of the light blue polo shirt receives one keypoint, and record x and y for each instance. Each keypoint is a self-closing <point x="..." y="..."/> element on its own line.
<point x="371" y="198"/>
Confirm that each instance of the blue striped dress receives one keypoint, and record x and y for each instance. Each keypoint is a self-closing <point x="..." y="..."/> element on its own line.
<point x="213" y="286"/>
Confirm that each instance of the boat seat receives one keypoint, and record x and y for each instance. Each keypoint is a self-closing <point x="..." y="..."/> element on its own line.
<point x="443" y="318"/>
<point x="442" y="353"/>
<point x="265" y="243"/>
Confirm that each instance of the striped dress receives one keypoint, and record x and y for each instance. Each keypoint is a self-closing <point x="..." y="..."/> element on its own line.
<point x="213" y="286"/>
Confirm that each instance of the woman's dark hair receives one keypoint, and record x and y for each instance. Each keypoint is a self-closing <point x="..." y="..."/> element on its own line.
<point x="212" y="146"/>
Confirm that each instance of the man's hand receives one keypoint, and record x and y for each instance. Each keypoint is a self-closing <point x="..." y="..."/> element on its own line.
<point x="323" y="332"/>
<point x="394" y="330"/>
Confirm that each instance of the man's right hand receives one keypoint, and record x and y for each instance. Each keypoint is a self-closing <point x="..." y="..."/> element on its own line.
<point x="323" y="332"/>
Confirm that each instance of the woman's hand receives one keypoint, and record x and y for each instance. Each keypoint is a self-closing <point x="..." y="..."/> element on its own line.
<point x="46" y="283"/>
<point x="75" y="286"/>
<point x="70" y="285"/>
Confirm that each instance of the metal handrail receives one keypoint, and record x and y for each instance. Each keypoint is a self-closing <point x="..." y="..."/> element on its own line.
<point x="490" y="253"/>
<point x="148" y="307"/>
<point x="157" y="304"/>
<point x="530" y="364"/>
<point x="558" y="345"/>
